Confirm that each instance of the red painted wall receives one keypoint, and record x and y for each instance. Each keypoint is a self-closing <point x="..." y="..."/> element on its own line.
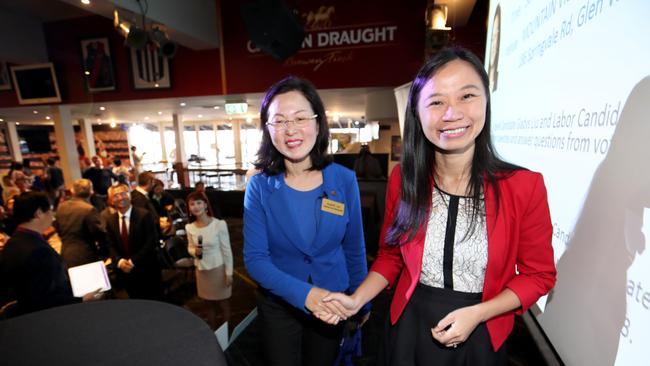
<point x="193" y="73"/>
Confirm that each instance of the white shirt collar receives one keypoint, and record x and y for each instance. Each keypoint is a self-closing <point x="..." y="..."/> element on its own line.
<point x="127" y="214"/>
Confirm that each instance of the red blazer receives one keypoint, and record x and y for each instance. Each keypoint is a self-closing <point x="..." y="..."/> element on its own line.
<point x="519" y="239"/>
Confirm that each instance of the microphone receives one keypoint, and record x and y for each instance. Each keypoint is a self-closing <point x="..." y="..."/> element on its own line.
<point x="200" y="246"/>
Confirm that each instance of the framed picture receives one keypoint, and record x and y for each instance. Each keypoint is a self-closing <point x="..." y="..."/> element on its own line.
<point x="97" y="64"/>
<point x="149" y="69"/>
<point x="395" y="148"/>
<point x="5" y="81"/>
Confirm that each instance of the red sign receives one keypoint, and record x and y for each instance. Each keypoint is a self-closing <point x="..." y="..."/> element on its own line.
<point x="347" y="44"/>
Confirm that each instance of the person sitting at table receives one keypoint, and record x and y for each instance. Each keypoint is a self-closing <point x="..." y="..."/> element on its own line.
<point x="34" y="271"/>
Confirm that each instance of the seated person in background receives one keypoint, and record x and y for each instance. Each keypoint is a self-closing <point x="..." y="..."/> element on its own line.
<point x="9" y="188"/>
<point x="33" y="270"/>
<point x="83" y="239"/>
<point x="366" y="166"/>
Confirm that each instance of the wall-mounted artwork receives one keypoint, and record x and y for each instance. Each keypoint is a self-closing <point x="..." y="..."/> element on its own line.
<point x="149" y="69"/>
<point x="97" y="64"/>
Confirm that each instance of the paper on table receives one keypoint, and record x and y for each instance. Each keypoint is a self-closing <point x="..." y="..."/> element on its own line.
<point x="88" y="278"/>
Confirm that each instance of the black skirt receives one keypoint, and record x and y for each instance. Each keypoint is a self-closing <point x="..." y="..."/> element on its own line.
<point x="409" y="342"/>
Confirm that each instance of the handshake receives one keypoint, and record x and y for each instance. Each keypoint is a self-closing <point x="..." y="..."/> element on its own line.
<point x="332" y="307"/>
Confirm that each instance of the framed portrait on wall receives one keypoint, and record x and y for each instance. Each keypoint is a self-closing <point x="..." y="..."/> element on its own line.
<point x="149" y="69"/>
<point x="5" y="80"/>
<point x="97" y="64"/>
<point x="395" y="148"/>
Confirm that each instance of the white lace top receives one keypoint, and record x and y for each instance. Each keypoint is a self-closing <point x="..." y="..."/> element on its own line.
<point x="468" y="256"/>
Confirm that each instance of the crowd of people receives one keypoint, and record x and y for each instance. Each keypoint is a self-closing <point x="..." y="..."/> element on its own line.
<point x="466" y="240"/>
<point x="124" y="227"/>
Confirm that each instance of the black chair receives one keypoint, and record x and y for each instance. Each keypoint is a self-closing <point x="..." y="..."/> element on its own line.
<point x="110" y="332"/>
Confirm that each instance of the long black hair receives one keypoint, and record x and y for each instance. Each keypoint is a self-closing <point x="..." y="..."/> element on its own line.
<point x="418" y="161"/>
<point x="269" y="159"/>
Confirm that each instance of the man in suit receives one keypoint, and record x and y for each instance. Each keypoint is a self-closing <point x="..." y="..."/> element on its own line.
<point x="33" y="270"/>
<point x="132" y="244"/>
<point x="140" y="195"/>
<point x="79" y="226"/>
<point x="140" y="198"/>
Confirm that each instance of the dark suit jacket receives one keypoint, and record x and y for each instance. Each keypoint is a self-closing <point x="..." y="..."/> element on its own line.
<point x="142" y="201"/>
<point x="142" y="241"/>
<point x="82" y="234"/>
<point x="35" y="272"/>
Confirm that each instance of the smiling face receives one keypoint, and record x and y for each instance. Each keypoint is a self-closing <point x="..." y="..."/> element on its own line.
<point x="120" y="198"/>
<point x="452" y="108"/>
<point x="198" y="207"/>
<point x="293" y="142"/>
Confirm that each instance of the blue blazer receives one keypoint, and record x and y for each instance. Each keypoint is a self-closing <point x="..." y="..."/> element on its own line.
<point x="281" y="261"/>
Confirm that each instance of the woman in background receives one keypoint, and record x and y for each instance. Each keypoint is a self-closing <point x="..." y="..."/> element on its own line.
<point x="209" y="244"/>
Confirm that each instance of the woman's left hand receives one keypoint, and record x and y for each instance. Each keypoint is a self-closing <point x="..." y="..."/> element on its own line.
<point x="228" y="280"/>
<point x="459" y="324"/>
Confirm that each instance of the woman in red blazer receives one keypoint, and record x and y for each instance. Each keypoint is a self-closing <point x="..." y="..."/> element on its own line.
<point x="468" y="235"/>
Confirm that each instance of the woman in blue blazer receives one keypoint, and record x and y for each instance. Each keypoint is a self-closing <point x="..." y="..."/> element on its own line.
<point x="303" y="234"/>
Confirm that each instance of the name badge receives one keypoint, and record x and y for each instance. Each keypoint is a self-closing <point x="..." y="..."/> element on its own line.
<point x="333" y="207"/>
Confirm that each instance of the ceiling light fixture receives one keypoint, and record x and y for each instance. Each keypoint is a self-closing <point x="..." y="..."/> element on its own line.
<point x="143" y="37"/>
<point x="48" y="117"/>
<point x="102" y="108"/>
<point x="183" y="104"/>
<point x="35" y="112"/>
<point x="85" y="2"/>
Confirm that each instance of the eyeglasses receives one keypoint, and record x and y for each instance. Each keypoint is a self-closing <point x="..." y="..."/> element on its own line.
<point x="280" y="124"/>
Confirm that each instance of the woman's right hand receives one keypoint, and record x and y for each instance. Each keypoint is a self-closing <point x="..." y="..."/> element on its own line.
<point x="340" y="303"/>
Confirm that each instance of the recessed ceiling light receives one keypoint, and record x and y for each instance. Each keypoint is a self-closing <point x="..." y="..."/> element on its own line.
<point x="113" y="124"/>
<point x="17" y="123"/>
<point x="159" y="113"/>
<point x="146" y="118"/>
<point x="102" y="108"/>
<point x="87" y="72"/>
<point x="200" y="116"/>
<point x="216" y="107"/>
<point x="2" y="120"/>
<point x="183" y="104"/>
<point x="47" y="117"/>
<point x="35" y="112"/>
<point x="156" y="85"/>
<point x="99" y="119"/>
<point x="85" y="2"/>
<point x="327" y="111"/>
<point x="249" y="119"/>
